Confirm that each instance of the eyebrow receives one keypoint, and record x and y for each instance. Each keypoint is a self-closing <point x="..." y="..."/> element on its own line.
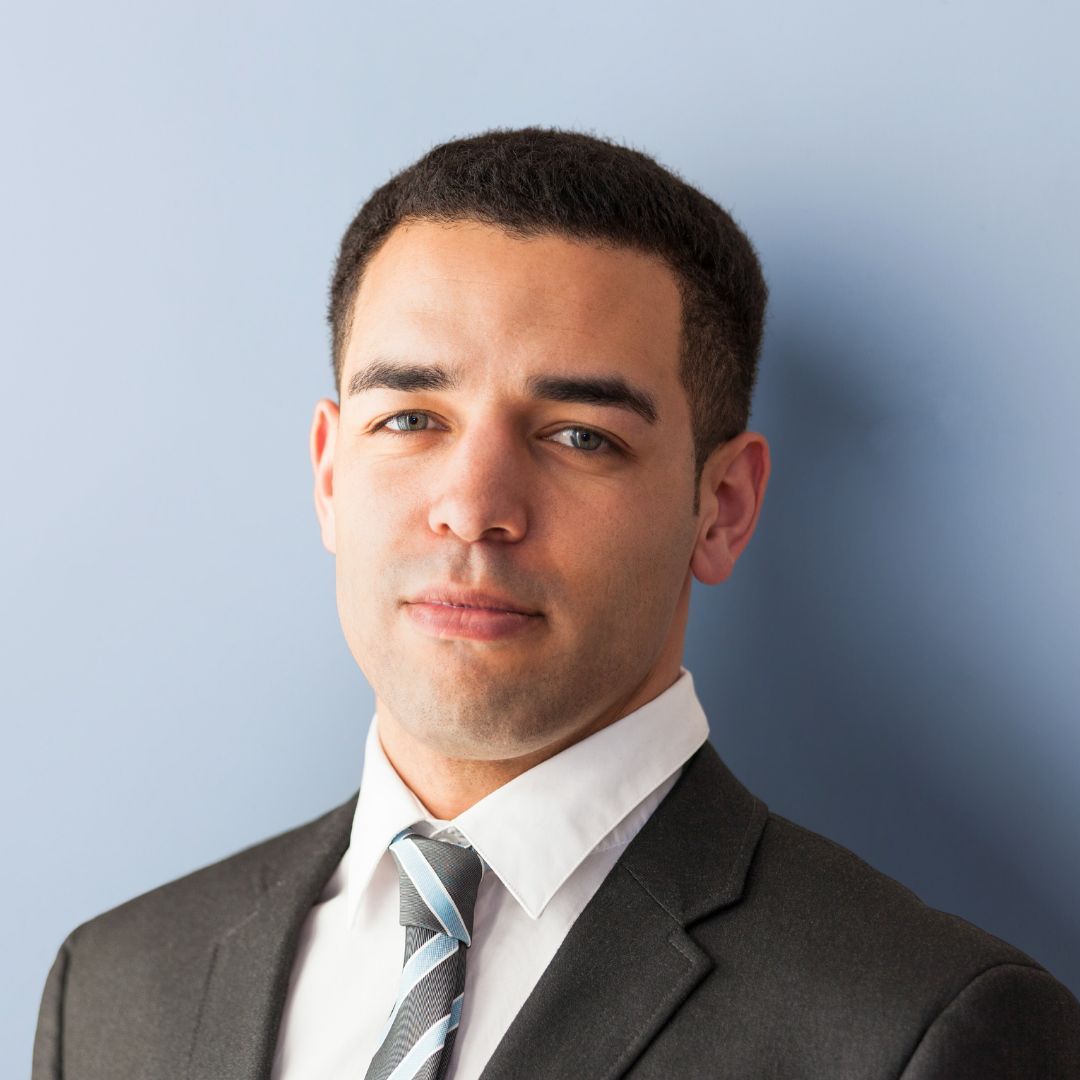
<point x="409" y="378"/>
<point x="609" y="390"/>
<point x="612" y="390"/>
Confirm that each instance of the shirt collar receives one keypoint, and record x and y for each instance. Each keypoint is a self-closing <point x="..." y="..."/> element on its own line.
<point x="536" y="830"/>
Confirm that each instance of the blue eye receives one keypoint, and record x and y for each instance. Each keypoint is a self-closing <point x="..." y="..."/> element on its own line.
<point x="408" y="421"/>
<point x="582" y="439"/>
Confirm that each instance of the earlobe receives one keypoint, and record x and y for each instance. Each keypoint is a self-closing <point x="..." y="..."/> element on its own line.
<point x="731" y="491"/>
<point x="322" y="440"/>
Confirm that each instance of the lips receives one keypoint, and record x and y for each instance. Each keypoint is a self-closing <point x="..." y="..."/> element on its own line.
<point x="470" y="614"/>
<point x="471" y="599"/>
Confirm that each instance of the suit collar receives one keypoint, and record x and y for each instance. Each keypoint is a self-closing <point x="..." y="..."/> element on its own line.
<point x="629" y="962"/>
<point x="693" y="855"/>
<point x="248" y="967"/>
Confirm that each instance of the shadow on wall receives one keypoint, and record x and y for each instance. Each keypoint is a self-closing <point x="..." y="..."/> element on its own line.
<point x="848" y="674"/>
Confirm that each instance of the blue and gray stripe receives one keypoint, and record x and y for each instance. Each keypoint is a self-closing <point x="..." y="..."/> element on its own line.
<point x="438" y="882"/>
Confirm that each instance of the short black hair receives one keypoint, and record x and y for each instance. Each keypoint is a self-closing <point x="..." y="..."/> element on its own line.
<point x="532" y="181"/>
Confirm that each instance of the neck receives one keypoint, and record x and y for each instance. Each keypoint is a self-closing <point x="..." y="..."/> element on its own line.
<point x="447" y="786"/>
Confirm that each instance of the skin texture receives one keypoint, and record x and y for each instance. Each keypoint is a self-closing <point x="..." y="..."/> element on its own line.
<point x="493" y="489"/>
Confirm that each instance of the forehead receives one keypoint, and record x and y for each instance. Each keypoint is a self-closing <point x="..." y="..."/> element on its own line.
<point x="471" y="294"/>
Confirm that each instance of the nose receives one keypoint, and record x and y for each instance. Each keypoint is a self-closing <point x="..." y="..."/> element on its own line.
<point x="481" y="488"/>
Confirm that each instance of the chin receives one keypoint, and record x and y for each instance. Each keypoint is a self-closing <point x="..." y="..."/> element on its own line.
<point x="497" y="721"/>
<point x="470" y="737"/>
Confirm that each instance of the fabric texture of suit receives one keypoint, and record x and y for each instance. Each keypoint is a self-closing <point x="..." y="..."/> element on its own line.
<point x="726" y="942"/>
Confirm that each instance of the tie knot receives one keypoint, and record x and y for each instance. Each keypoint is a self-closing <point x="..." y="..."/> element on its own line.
<point x="439" y="882"/>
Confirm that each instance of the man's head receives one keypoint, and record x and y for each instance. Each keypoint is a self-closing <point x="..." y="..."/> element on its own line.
<point x="544" y="347"/>
<point x="535" y="181"/>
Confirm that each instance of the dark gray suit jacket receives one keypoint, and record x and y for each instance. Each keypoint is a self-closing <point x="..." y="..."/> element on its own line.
<point x="726" y="942"/>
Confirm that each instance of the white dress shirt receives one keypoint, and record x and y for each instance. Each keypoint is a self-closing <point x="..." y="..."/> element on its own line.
<point x="550" y="836"/>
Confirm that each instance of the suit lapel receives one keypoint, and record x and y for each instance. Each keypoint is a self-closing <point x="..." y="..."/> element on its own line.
<point x="248" y="967"/>
<point x="628" y="961"/>
<point x="625" y="967"/>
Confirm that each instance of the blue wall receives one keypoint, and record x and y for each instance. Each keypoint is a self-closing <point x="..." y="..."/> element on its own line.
<point x="895" y="662"/>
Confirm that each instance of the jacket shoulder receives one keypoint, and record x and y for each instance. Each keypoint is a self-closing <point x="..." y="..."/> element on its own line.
<point x="840" y="900"/>
<point x="827" y="966"/>
<point x="205" y="900"/>
<point x="148" y="959"/>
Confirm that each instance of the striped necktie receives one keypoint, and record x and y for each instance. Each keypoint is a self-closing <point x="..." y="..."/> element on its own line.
<point x="438" y="882"/>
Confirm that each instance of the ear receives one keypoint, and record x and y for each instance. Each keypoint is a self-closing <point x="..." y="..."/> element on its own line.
<point x="324" y="427"/>
<point x="730" y="494"/>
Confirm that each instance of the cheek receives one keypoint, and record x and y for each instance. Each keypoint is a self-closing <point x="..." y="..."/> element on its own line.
<point x="616" y="547"/>
<point x="371" y="521"/>
<point x="373" y="508"/>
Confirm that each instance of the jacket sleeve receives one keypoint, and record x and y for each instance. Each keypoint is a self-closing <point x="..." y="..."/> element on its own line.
<point x="1011" y="1022"/>
<point x="47" y="1063"/>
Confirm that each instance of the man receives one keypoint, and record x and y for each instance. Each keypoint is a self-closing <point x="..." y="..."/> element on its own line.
<point x="544" y="349"/>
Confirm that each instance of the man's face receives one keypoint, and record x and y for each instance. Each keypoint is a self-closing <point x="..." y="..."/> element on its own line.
<point x="512" y="486"/>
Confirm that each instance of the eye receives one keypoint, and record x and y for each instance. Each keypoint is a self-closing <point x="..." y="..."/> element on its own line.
<point x="583" y="439"/>
<point x="407" y="421"/>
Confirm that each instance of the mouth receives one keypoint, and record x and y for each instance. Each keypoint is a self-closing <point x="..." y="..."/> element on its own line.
<point x="469" y="614"/>
<point x="472" y="600"/>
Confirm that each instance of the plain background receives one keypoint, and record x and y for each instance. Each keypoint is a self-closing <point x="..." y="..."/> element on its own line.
<point x="895" y="662"/>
